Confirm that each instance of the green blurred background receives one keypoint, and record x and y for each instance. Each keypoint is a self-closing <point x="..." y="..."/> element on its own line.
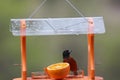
<point x="45" y="50"/>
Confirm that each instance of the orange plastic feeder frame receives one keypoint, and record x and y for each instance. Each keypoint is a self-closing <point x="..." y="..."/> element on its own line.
<point x="58" y="26"/>
<point x="20" y="27"/>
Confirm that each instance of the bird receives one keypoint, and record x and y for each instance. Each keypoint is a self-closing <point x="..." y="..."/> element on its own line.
<point x="69" y="59"/>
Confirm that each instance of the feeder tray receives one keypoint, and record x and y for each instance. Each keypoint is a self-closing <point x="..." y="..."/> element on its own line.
<point x="58" y="26"/>
<point x="67" y="78"/>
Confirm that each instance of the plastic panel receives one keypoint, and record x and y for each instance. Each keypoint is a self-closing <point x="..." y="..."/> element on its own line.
<point x="58" y="26"/>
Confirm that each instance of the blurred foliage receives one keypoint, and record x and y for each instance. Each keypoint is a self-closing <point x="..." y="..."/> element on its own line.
<point x="44" y="50"/>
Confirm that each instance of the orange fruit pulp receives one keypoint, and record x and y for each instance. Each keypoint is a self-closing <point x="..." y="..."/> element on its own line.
<point x="58" y="70"/>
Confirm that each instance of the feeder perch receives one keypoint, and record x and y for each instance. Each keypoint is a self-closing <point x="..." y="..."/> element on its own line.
<point x="58" y="26"/>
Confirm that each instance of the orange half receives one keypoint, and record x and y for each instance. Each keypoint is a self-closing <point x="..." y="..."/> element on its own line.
<point x="58" y="70"/>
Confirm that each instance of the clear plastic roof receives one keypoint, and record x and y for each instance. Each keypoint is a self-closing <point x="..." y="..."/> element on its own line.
<point x="58" y="26"/>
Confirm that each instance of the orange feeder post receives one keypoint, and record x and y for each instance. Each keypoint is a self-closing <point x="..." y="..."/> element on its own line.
<point x="91" y="67"/>
<point x="23" y="50"/>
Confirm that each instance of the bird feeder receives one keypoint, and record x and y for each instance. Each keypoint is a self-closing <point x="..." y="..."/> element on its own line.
<point x="58" y="26"/>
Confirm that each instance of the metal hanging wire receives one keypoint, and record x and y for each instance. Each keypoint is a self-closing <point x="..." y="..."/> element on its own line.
<point x="74" y="8"/>
<point x="77" y="11"/>
<point x="37" y="9"/>
<point x="71" y="5"/>
<point x="44" y="1"/>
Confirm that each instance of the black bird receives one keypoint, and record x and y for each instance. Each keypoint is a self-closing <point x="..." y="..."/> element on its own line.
<point x="67" y="58"/>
